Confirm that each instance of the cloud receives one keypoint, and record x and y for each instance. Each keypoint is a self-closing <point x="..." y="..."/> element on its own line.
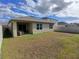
<point x="73" y="21"/>
<point x="45" y="5"/>
<point x="6" y="10"/>
<point x="71" y="10"/>
<point x="40" y="8"/>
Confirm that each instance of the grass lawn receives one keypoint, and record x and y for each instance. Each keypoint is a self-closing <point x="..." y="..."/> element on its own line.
<point x="51" y="45"/>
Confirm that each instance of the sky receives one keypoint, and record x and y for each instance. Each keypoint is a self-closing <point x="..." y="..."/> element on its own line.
<point x="62" y="10"/>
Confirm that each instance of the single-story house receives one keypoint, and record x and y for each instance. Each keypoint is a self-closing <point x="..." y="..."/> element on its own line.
<point x="30" y="25"/>
<point x="26" y="25"/>
<point x="65" y="27"/>
<point x="60" y="26"/>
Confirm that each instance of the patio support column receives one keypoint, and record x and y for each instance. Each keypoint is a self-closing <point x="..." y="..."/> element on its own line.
<point x="14" y="29"/>
<point x="1" y="38"/>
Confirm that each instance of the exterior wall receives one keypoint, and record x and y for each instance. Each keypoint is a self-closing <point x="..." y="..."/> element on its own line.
<point x="1" y="38"/>
<point x="59" y="27"/>
<point x="31" y="28"/>
<point x="14" y="25"/>
<point x="45" y="28"/>
<point x="69" y="28"/>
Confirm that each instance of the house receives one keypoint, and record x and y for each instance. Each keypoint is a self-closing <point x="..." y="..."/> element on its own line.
<point x="25" y="25"/>
<point x="1" y="35"/>
<point x="30" y="25"/>
<point x="3" y="27"/>
<point x="60" y="26"/>
<point x="64" y="27"/>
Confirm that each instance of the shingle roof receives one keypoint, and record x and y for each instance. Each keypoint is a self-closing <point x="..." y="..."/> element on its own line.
<point x="32" y="19"/>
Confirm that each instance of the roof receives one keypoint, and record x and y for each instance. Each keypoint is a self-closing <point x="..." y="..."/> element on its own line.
<point x="32" y="19"/>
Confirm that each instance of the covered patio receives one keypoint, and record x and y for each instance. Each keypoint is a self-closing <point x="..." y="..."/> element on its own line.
<point x="21" y="28"/>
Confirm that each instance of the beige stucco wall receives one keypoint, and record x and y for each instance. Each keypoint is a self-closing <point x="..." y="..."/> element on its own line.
<point x="45" y="28"/>
<point x="32" y="28"/>
<point x="1" y="38"/>
<point x="14" y="25"/>
<point x="1" y="35"/>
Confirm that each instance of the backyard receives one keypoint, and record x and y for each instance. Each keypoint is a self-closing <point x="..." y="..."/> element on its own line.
<point x="50" y="45"/>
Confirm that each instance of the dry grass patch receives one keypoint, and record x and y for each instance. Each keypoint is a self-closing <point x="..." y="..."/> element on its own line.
<point x="51" y="45"/>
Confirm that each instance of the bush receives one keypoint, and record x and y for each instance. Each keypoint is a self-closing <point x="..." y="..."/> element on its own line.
<point x="7" y="33"/>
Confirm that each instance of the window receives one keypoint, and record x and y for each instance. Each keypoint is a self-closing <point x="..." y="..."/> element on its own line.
<point x="51" y="26"/>
<point x="39" y="26"/>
